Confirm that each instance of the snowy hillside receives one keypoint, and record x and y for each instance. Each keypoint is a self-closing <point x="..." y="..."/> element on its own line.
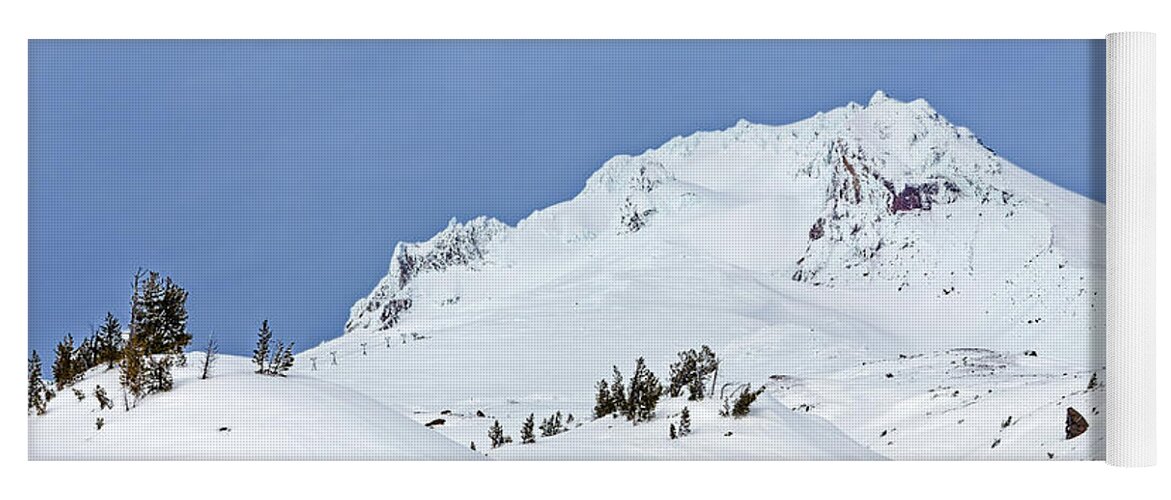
<point x="235" y="415"/>
<point x="899" y="289"/>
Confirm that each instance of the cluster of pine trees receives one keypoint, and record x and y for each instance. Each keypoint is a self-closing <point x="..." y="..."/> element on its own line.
<point x="158" y="336"/>
<point x="271" y="361"/>
<point x="102" y="347"/>
<point x="637" y="403"/>
<point x="691" y="372"/>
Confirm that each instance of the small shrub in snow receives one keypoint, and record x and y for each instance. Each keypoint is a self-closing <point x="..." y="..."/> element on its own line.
<point x="104" y="402"/>
<point x="671" y="432"/>
<point x="100" y="422"/>
<point x="78" y="394"/>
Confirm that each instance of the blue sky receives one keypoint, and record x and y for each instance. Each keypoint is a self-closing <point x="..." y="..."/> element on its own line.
<point x="273" y="178"/>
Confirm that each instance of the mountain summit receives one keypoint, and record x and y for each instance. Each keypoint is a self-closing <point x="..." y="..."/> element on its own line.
<point x="889" y="201"/>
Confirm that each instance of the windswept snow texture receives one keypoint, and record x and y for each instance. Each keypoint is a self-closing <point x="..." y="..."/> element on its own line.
<point x="899" y="289"/>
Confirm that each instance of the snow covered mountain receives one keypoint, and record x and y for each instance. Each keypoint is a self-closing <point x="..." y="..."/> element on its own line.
<point x="899" y="289"/>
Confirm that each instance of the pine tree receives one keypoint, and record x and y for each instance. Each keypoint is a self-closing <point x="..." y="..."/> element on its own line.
<point x="651" y="393"/>
<point x="85" y="356"/>
<point x="618" y="395"/>
<point x="644" y="394"/>
<point x="63" y="369"/>
<point x="684" y="422"/>
<point x="36" y="385"/>
<point x="210" y="354"/>
<point x="158" y="374"/>
<point x="78" y="394"/>
<point x="260" y="354"/>
<point x="103" y="400"/>
<point x="691" y="372"/>
<point x="282" y="359"/>
<point x="682" y="372"/>
<point x="148" y="312"/>
<point x="109" y="341"/>
<point x="496" y="434"/>
<point x="672" y="433"/>
<point x="526" y="431"/>
<point x="603" y="402"/>
<point x="174" y="335"/>
<point x="745" y="400"/>
<point x="552" y="425"/>
<point x="132" y="368"/>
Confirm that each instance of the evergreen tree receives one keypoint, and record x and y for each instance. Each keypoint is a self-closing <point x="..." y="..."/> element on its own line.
<point x="496" y="434"/>
<point x="78" y="394"/>
<point x="36" y="385"/>
<point x="526" y="431"/>
<point x="672" y="433"/>
<point x="85" y="356"/>
<point x="63" y="369"/>
<point x="174" y="337"/>
<point x="691" y="372"/>
<point x="103" y="400"/>
<point x="644" y="394"/>
<point x="282" y="359"/>
<point x="148" y="312"/>
<point x="682" y="372"/>
<point x="618" y="395"/>
<point x="260" y="354"/>
<point x="211" y="352"/>
<point x="684" y="422"/>
<point x="745" y="400"/>
<point x="132" y="368"/>
<point x="158" y="374"/>
<point x="552" y="425"/>
<point x="603" y="402"/>
<point x="109" y="341"/>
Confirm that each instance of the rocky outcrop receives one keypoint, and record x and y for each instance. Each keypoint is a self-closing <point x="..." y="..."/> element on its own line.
<point x="457" y="245"/>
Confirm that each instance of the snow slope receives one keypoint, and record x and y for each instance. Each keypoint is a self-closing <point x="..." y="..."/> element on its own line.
<point x="876" y="267"/>
<point x="235" y="414"/>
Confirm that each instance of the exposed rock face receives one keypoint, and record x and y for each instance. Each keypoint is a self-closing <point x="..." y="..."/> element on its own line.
<point x="633" y="180"/>
<point x="458" y="245"/>
<point x="1075" y="423"/>
<point x="885" y="163"/>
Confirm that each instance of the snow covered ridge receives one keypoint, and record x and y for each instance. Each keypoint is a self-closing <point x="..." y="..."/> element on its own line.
<point x="458" y="245"/>
<point x="890" y="192"/>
